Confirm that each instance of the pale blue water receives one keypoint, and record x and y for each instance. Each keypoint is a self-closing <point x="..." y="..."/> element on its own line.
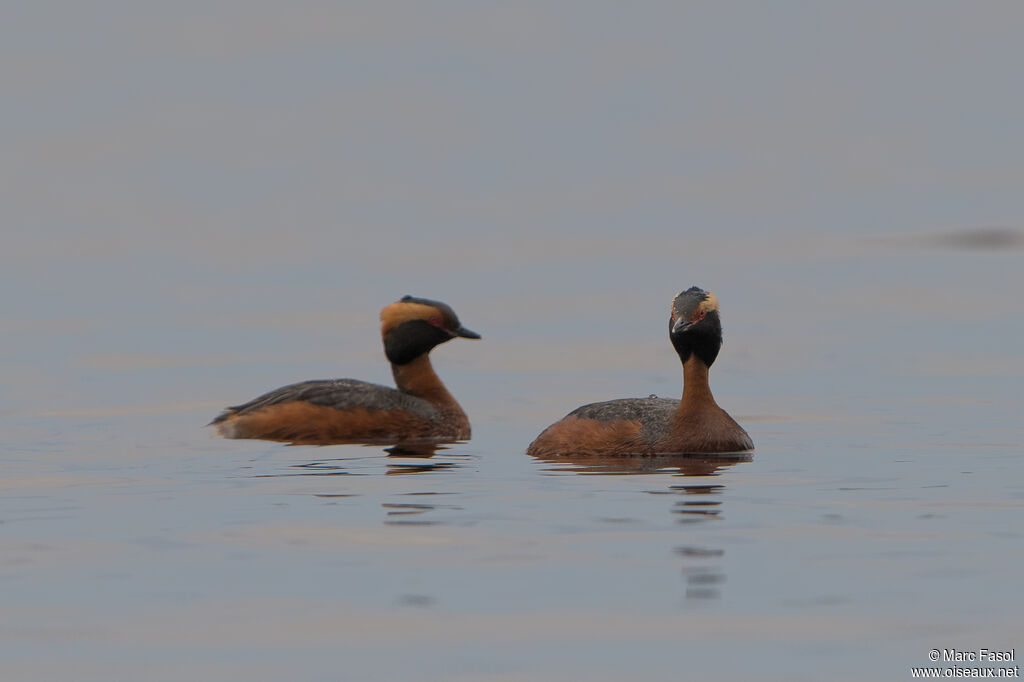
<point x="207" y="204"/>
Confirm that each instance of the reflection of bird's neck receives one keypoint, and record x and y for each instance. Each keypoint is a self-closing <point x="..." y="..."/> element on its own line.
<point x="696" y="390"/>
<point x="418" y="378"/>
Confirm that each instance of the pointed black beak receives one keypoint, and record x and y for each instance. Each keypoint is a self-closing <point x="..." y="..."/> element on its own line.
<point x="466" y="333"/>
<point x="681" y="325"/>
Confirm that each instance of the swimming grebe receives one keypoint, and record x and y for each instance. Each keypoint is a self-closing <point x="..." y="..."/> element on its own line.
<point x="351" y="411"/>
<point x="646" y="426"/>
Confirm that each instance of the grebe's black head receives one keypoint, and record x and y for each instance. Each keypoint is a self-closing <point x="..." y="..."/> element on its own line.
<point x="694" y="325"/>
<point x="412" y="326"/>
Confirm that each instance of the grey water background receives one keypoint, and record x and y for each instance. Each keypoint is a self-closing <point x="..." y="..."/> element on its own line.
<point x="204" y="201"/>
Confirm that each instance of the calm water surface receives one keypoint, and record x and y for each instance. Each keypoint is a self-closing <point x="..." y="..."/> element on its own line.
<point x="202" y="202"/>
<point x="879" y="517"/>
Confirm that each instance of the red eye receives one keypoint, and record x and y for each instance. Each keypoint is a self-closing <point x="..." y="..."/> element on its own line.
<point x="434" y="321"/>
<point x="700" y="315"/>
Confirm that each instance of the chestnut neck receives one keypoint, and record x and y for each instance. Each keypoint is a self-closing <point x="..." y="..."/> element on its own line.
<point x="696" y="390"/>
<point x="418" y="378"/>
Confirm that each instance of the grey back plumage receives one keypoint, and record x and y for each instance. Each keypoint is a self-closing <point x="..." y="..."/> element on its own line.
<point x="655" y="414"/>
<point x="339" y="394"/>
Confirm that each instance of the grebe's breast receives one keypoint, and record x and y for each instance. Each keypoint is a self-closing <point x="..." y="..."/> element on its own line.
<point x="332" y="411"/>
<point x="640" y="426"/>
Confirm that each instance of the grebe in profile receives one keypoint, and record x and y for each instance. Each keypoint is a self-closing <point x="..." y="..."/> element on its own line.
<point x="351" y="411"/>
<point x="648" y="426"/>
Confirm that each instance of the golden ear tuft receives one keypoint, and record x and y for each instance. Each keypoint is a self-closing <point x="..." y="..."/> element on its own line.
<point x="709" y="304"/>
<point x="692" y="301"/>
<point x="397" y="313"/>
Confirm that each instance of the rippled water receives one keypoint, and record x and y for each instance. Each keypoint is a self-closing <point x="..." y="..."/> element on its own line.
<point x="200" y="208"/>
